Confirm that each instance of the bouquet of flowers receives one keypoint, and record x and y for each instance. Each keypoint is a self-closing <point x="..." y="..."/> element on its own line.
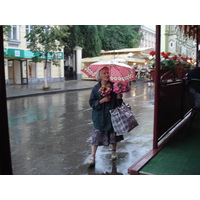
<point x="105" y="90"/>
<point x="120" y="87"/>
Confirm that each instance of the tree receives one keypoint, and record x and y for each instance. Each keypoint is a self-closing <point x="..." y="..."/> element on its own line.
<point x="121" y="36"/>
<point x="89" y="37"/>
<point x="6" y="29"/>
<point x="47" y="40"/>
<point x="94" y="38"/>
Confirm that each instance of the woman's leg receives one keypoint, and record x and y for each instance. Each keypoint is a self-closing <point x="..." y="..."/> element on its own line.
<point x="91" y="161"/>
<point x="94" y="149"/>
<point x="114" y="146"/>
<point x="114" y="154"/>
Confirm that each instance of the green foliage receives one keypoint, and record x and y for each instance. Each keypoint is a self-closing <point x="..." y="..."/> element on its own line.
<point x="94" y="38"/>
<point x="36" y="59"/>
<point x="121" y="36"/>
<point x="169" y="64"/>
<point x="48" y="39"/>
<point x="6" y="29"/>
<point x="86" y="36"/>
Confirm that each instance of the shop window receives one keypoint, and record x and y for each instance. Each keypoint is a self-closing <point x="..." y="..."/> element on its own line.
<point x="32" y="70"/>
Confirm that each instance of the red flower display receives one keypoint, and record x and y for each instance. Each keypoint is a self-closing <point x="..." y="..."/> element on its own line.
<point x="174" y="62"/>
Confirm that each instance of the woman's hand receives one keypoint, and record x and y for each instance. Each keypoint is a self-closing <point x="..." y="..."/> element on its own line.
<point x="119" y="96"/>
<point x="105" y="99"/>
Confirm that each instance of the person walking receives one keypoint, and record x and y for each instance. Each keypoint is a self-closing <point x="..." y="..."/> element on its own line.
<point x="102" y="99"/>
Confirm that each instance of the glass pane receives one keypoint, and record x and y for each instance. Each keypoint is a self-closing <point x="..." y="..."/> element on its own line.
<point x="14" y="32"/>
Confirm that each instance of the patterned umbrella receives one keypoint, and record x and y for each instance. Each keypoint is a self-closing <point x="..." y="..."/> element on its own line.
<point x="118" y="71"/>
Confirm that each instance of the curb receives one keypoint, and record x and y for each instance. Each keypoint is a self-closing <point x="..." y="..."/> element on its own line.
<point x="47" y="92"/>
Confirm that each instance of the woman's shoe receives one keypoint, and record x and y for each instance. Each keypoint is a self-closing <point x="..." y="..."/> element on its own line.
<point x="114" y="155"/>
<point x="91" y="161"/>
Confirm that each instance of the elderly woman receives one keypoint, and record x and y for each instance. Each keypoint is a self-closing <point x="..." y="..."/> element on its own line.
<point x="103" y="132"/>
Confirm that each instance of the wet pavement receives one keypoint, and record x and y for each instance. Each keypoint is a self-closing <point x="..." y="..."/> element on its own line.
<point x="15" y="91"/>
<point x="50" y="134"/>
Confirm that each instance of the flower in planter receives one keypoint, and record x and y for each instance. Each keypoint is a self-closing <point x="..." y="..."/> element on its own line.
<point x="185" y="63"/>
<point x="165" y="55"/>
<point x="172" y="63"/>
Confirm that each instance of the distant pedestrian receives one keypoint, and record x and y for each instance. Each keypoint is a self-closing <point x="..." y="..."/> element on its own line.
<point x="103" y="99"/>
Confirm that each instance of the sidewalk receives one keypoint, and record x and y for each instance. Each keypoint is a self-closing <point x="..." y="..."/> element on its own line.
<point x="17" y="91"/>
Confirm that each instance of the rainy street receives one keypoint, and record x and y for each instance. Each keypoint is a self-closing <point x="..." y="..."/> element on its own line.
<point x="50" y="134"/>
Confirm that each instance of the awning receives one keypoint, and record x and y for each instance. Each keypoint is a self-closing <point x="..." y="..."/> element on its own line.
<point x="19" y="53"/>
<point x="113" y="56"/>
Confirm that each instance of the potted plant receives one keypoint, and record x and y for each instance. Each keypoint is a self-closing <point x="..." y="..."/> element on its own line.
<point x="171" y="67"/>
<point x="185" y="64"/>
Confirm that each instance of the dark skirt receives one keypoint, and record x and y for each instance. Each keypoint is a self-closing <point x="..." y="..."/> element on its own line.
<point x="104" y="138"/>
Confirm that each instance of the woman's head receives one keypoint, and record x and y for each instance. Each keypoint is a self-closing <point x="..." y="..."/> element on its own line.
<point x="103" y="74"/>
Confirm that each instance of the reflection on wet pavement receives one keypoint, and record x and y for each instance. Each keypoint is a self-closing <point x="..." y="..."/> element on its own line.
<point x="50" y="134"/>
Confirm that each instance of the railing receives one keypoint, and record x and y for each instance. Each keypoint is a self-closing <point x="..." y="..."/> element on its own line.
<point x="174" y="103"/>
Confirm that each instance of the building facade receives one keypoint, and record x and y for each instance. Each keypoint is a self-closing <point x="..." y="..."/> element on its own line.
<point x="177" y="43"/>
<point x="172" y="40"/>
<point x="19" y="67"/>
<point x="148" y="37"/>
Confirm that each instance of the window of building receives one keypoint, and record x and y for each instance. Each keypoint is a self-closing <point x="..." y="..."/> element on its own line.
<point x="28" y="29"/>
<point x="171" y="44"/>
<point x="14" y="32"/>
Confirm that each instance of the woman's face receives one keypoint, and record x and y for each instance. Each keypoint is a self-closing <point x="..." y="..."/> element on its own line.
<point x="104" y="74"/>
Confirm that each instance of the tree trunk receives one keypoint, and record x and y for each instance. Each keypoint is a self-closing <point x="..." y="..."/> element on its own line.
<point x="45" y="72"/>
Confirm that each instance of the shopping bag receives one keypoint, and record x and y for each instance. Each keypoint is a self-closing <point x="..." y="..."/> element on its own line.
<point x="123" y="119"/>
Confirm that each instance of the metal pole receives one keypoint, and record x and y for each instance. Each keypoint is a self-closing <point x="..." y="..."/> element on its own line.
<point x="157" y="86"/>
<point x="5" y="156"/>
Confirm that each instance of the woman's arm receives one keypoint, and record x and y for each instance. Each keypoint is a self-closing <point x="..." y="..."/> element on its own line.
<point x="94" y="100"/>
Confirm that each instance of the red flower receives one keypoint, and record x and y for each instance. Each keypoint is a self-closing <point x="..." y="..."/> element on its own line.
<point x="152" y="53"/>
<point x="174" y="58"/>
<point x="184" y="59"/>
<point x="165" y="55"/>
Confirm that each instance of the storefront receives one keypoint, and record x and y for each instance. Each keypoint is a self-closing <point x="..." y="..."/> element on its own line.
<point x="20" y="67"/>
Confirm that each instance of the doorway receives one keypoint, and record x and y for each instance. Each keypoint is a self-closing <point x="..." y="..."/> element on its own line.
<point x="17" y="71"/>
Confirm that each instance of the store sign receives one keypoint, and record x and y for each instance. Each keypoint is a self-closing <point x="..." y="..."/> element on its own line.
<point x="60" y="55"/>
<point x="17" y="53"/>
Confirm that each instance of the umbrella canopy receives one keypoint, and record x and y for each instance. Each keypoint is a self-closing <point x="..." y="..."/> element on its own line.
<point x="118" y="71"/>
